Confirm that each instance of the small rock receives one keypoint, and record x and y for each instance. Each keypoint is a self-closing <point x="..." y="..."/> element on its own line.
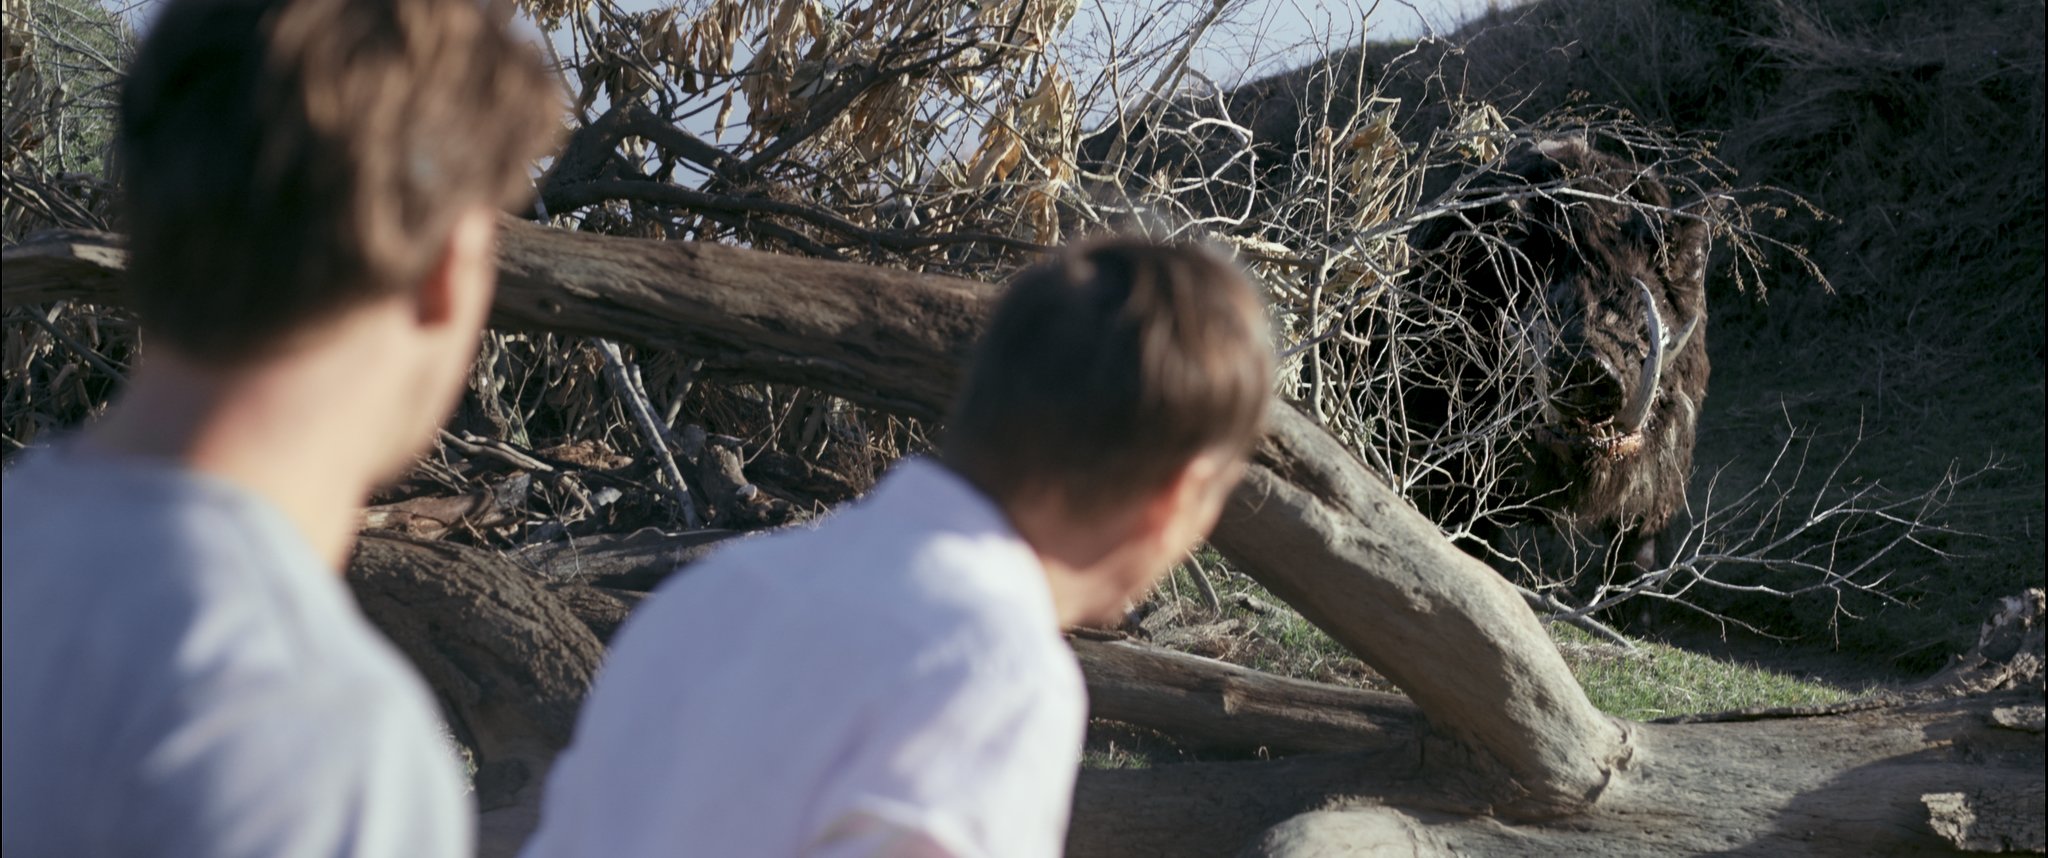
<point x="1156" y="621"/>
<point x="1255" y="605"/>
<point x="1981" y="822"/>
<point x="690" y="441"/>
<point x="2028" y="718"/>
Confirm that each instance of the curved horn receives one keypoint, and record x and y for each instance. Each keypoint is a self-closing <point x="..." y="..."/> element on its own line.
<point x="1678" y="344"/>
<point x="1533" y="334"/>
<point x="1637" y="411"/>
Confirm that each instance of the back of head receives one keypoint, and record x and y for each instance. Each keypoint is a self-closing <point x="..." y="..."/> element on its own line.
<point x="286" y="160"/>
<point x="1107" y="369"/>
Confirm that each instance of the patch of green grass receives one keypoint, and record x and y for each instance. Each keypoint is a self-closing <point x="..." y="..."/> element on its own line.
<point x="464" y="757"/>
<point x="1257" y="630"/>
<point x="1113" y="745"/>
<point x="1658" y="681"/>
<point x="1254" y="629"/>
<point x="1291" y="646"/>
<point x="1112" y="756"/>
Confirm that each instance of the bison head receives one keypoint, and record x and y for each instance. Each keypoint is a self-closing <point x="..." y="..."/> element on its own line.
<point x="1596" y="282"/>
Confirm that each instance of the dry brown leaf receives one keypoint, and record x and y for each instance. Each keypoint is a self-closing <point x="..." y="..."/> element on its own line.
<point x="998" y="153"/>
<point x="1480" y="132"/>
<point x="724" y="114"/>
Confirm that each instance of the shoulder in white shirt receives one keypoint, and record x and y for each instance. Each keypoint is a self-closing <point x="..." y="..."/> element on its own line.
<point x="892" y="681"/>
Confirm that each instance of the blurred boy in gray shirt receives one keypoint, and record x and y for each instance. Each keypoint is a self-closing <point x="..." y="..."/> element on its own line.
<point x="311" y="191"/>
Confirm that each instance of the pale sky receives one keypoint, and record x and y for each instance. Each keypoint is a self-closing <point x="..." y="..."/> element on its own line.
<point x="1253" y="39"/>
<point x="1280" y="34"/>
<point x="1273" y="34"/>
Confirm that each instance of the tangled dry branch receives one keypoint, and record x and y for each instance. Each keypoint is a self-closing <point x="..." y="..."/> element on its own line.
<point x="1800" y="531"/>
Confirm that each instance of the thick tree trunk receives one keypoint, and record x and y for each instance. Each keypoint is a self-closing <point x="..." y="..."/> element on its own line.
<point x="509" y="659"/>
<point x="1333" y="541"/>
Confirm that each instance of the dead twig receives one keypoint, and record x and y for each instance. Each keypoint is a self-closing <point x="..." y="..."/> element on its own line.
<point x="493" y="448"/>
<point x="49" y="326"/>
<point x="1202" y="584"/>
<point x="1548" y="606"/>
<point x="622" y="381"/>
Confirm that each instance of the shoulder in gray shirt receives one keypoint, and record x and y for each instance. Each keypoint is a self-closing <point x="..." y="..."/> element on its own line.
<point x="183" y="677"/>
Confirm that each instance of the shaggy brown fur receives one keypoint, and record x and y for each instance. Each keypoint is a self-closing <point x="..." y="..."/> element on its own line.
<point x="1579" y="262"/>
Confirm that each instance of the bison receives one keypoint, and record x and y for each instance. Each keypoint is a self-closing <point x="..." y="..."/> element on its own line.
<point x="1574" y="278"/>
<point x="1578" y="262"/>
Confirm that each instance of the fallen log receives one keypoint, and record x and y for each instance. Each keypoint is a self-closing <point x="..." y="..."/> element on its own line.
<point x="640" y="560"/>
<point x="1214" y="706"/>
<point x="64" y="266"/>
<point x="432" y="517"/>
<point x="602" y="609"/>
<point x="854" y="330"/>
<point x="1201" y="703"/>
<point x="1313" y="526"/>
<point x="508" y="659"/>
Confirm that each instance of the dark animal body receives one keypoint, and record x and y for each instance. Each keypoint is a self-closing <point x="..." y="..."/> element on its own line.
<point x="1584" y="270"/>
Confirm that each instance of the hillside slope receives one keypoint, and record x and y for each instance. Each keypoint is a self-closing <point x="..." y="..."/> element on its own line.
<point x="1918" y="126"/>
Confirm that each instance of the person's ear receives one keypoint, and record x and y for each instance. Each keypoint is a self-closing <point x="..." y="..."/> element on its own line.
<point x="1187" y="501"/>
<point x="1156" y="518"/>
<point x="458" y="288"/>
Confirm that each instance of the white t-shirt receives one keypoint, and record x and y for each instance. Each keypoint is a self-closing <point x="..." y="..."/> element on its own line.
<point x="892" y="682"/>
<point x="184" y="678"/>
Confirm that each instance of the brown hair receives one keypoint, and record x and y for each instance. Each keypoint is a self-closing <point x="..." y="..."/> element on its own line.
<point x="284" y="160"/>
<point x="1108" y="368"/>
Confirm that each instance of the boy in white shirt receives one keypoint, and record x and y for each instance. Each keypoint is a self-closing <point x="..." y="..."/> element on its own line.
<point x="894" y="681"/>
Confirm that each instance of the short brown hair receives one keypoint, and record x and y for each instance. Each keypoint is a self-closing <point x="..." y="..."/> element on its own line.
<point x="1108" y="368"/>
<point x="287" y="159"/>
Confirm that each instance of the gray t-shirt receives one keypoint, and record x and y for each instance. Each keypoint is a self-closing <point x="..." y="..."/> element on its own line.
<point x="183" y="677"/>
